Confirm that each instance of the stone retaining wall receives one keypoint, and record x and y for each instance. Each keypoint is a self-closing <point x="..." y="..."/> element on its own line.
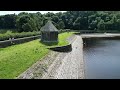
<point x="66" y="48"/>
<point x="7" y="43"/>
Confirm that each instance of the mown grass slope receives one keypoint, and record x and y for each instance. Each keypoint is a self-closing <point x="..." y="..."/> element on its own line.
<point x="17" y="58"/>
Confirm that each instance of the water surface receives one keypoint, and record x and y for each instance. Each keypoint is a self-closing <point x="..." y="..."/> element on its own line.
<point x="102" y="60"/>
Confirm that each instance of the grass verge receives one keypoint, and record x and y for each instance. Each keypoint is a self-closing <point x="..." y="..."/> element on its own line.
<point x="16" y="59"/>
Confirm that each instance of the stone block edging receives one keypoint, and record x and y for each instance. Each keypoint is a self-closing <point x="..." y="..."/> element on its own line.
<point x="65" y="48"/>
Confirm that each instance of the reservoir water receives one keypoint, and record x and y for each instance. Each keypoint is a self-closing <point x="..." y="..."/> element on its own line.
<point x="102" y="59"/>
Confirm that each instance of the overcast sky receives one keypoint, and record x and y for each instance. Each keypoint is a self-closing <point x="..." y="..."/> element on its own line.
<point x="17" y="12"/>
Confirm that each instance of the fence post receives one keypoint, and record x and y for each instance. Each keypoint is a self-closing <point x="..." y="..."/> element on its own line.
<point x="10" y="40"/>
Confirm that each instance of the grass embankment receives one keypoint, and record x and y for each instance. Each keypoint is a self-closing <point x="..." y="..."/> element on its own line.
<point x="16" y="59"/>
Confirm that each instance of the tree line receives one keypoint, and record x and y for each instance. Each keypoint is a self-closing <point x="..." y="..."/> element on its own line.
<point x="75" y="20"/>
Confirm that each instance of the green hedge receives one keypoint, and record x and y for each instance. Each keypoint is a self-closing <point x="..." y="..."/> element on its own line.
<point x="9" y="34"/>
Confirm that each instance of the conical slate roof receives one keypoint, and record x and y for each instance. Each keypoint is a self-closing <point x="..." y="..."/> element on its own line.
<point x="49" y="27"/>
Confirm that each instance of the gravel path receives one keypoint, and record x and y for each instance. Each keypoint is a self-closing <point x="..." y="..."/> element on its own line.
<point x="68" y="65"/>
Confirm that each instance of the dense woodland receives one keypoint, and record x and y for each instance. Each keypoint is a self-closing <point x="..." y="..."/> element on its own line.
<point x="75" y="20"/>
